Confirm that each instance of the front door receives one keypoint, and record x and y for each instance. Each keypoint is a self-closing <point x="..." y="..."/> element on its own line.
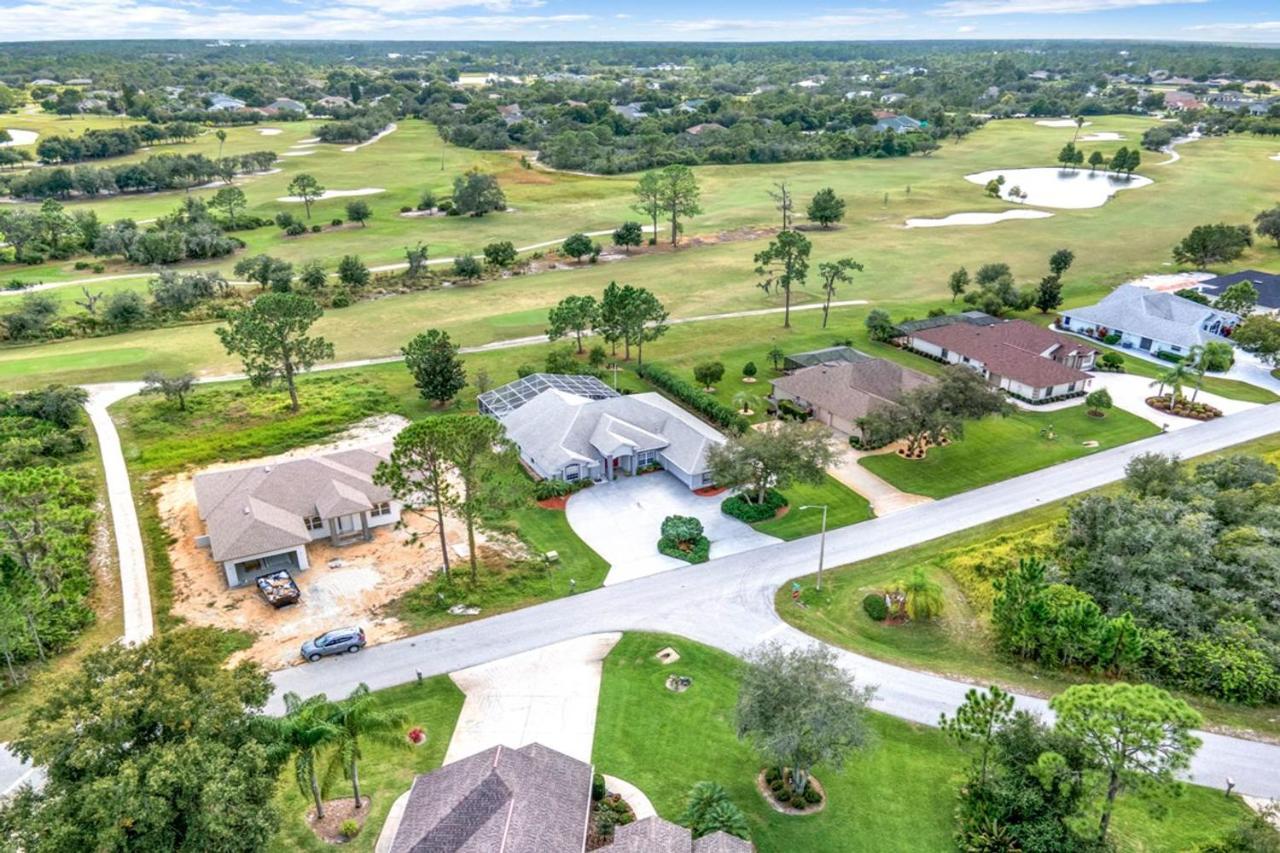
<point x="346" y="524"/>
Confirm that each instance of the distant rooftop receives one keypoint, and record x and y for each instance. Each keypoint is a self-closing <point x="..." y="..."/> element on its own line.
<point x="973" y="318"/>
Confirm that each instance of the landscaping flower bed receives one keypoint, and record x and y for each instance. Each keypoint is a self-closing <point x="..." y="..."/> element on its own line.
<point x="741" y="508"/>
<point x="1184" y="408"/>
<point x="774" y="784"/>
<point x="683" y="539"/>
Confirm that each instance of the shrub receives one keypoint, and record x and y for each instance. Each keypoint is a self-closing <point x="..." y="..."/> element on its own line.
<point x="82" y="265"/>
<point x="597" y="788"/>
<point x="772" y="774"/>
<point x="294" y="229"/>
<point x="1112" y="361"/>
<point x="349" y="828"/>
<point x="404" y="208"/>
<point x="340" y="299"/>
<point x="744" y="510"/>
<point x="315" y="229"/>
<point x="975" y="568"/>
<point x="682" y="538"/>
<point x="1175" y="357"/>
<point x="1112" y="339"/>
<point x="796" y="802"/>
<point x="811" y="795"/>
<point x="873" y="605"/>
<point x="553" y="488"/>
<point x="749" y="369"/>
<point x="99" y="267"/>
<point x="792" y="412"/>
<point x="695" y="398"/>
<point x="335" y="222"/>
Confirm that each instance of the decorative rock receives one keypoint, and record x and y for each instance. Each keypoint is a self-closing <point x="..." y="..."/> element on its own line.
<point x="463" y="610"/>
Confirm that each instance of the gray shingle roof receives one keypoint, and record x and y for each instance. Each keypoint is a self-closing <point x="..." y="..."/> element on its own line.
<point x="1151" y="314"/>
<point x="260" y="508"/>
<point x="502" y="800"/>
<point x="1266" y="283"/>
<point x="556" y="428"/>
<point x="655" y="835"/>
<point x="973" y="318"/>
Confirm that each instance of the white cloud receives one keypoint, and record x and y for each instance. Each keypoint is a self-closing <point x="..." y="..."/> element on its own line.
<point x="973" y="8"/>
<point x="1256" y="26"/>
<point x="967" y="28"/>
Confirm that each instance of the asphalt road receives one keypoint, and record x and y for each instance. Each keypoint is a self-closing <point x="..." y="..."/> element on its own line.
<point x="728" y="603"/>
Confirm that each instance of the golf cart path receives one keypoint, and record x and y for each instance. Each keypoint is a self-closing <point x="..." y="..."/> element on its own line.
<point x="729" y="603"/>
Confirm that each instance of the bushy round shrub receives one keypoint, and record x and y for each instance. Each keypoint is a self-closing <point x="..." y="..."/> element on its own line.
<point x="349" y="828"/>
<point x="741" y="508"/>
<point x="811" y="795"/>
<point x="773" y="774"/>
<point x="335" y="222"/>
<point x="873" y="605"/>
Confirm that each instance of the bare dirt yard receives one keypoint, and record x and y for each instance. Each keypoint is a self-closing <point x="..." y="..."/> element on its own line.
<point x="347" y="585"/>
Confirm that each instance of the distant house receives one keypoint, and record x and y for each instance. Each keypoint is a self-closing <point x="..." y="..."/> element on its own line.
<point x="632" y="111"/>
<point x="527" y="800"/>
<point x="812" y="82"/>
<point x="859" y="93"/>
<point x="335" y="102"/>
<point x="838" y="393"/>
<point x="1180" y="101"/>
<point x="1024" y="359"/>
<point x="44" y="81"/>
<point x="80" y="81"/>
<point x="510" y="113"/>
<point x="898" y="124"/>
<point x="704" y="127"/>
<point x="219" y="102"/>
<point x="260" y="518"/>
<point x="893" y="98"/>
<point x="1149" y="320"/>
<point x="1266" y="283"/>
<point x="691" y="106"/>
<point x="576" y="427"/>
<point x="287" y="105"/>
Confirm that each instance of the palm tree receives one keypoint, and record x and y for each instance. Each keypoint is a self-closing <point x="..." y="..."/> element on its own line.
<point x="357" y="717"/>
<point x="222" y="137"/>
<point x="923" y="596"/>
<point x="1079" y="124"/>
<point x="744" y="402"/>
<point x="1174" y="378"/>
<point x="307" y="730"/>
<point x="1199" y="365"/>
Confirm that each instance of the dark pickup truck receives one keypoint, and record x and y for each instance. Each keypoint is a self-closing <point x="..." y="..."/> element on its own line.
<point x="279" y="589"/>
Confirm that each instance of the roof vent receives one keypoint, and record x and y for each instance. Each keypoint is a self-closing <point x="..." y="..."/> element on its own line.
<point x="246" y="509"/>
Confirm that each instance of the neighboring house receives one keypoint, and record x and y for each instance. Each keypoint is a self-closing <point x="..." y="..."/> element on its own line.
<point x="334" y="102"/>
<point x="973" y="318"/>
<point x="631" y="112"/>
<point x="566" y="435"/>
<point x="704" y="127"/>
<point x="892" y="98"/>
<point x="1024" y="359"/>
<point x="287" y="105"/>
<point x="1149" y="320"/>
<point x="898" y="124"/>
<point x="80" y="81"/>
<point x="1266" y="283"/>
<point x="691" y="106"/>
<point x="510" y="113"/>
<point x="223" y="103"/>
<point x="839" y="393"/>
<point x="830" y="355"/>
<point x="527" y="800"/>
<point x="260" y="519"/>
<point x="1179" y="101"/>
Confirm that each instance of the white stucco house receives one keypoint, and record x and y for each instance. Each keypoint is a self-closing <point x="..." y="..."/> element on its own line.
<point x="261" y="518"/>
<point x="1149" y="320"/>
<point x="575" y="427"/>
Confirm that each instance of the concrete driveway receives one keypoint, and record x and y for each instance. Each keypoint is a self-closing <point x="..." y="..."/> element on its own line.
<point x="1130" y="392"/>
<point x="622" y="522"/>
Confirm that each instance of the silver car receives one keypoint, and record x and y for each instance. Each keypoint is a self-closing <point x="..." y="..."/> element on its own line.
<point x="336" y="642"/>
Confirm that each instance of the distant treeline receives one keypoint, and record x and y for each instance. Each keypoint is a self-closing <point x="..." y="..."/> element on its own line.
<point x="158" y="172"/>
<point x="113" y="142"/>
<point x="358" y="129"/>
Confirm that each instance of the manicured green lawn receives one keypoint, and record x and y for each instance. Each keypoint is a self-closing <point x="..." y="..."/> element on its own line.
<point x="1230" y="388"/>
<point x="960" y="643"/>
<point x="906" y="269"/>
<point x="898" y="795"/>
<point x="996" y="448"/>
<point x="385" y="772"/>
<point x="844" y="506"/>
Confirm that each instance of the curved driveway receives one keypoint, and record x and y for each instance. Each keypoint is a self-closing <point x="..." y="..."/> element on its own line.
<point x="728" y="603"/>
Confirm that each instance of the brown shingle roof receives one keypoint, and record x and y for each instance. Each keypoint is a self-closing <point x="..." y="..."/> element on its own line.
<point x="851" y="391"/>
<point x="1015" y="349"/>
<point x="502" y="800"/>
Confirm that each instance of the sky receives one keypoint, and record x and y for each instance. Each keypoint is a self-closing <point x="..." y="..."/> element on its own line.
<point x="1256" y="21"/>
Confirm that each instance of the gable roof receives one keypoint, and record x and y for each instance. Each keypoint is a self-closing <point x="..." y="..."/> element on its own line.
<point x="557" y="428"/>
<point x="1152" y="314"/>
<point x="852" y="390"/>
<point x="1266" y="283"/>
<point x="501" y="800"/>
<point x="1014" y="349"/>
<point x="261" y="508"/>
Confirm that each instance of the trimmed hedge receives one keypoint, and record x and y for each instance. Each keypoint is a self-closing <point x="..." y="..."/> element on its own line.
<point x="744" y="510"/>
<point x="694" y="397"/>
<point x="873" y="605"/>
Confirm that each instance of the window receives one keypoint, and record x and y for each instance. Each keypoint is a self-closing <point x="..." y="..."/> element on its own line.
<point x="314" y="522"/>
<point x="646" y="457"/>
<point x="381" y="509"/>
<point x="1175" y="348"/>
<point x="1071" y="388"/>
<point x="1066" y="321"/>
<point x="706" y="478"/>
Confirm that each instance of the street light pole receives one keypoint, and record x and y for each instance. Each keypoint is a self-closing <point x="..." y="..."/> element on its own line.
<point x="822" y="540"/>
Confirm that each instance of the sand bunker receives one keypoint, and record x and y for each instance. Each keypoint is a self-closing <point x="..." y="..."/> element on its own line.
<point x="386" y="131"/>
<point x="1061" y="122"/>
<point x="1275" y="157"/>
<point x="297" y="153"/>
<point x="1067" y="189"/>
<point x="1101" y="136"/>
<point x="19" y="137"/>
<point x="310" y="140"/>
<point x="269" y="131"/>
<point x="977" y="218"/>
<point x="335" y="194"/>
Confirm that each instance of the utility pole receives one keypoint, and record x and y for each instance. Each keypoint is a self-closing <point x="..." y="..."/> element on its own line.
<point x="822" y="540"/>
